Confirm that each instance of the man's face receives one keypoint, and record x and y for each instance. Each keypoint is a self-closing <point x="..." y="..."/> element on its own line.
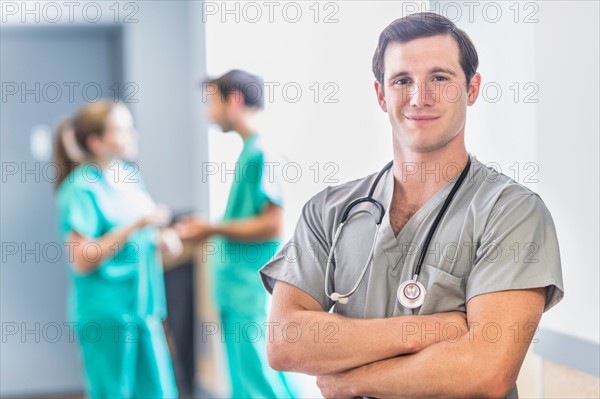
<point x="424" y="92"/>
<point x="217" y="109"/>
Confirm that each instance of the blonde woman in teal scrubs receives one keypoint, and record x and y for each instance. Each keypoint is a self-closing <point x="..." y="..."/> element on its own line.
<point x="110" y="225"/>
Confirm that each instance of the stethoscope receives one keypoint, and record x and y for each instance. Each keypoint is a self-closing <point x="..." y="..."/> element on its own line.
<point x="411" y="293"/>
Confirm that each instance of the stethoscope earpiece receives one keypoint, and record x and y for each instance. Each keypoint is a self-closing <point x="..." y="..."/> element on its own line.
<point x="335" y="297"/>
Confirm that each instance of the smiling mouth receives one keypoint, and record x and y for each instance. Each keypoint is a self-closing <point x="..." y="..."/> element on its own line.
<point x="421" y="118"/>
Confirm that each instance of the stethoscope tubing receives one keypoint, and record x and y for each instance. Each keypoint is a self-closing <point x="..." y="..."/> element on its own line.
<point x="343" y="298"/>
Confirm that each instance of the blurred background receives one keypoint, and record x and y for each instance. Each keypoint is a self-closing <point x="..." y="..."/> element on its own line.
<point x="536" y="120"/>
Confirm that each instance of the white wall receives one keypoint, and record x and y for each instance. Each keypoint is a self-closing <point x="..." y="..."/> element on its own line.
<point x="352" y="133"/>
<point x="550" y="50"/>
<point x="567" y="48"/>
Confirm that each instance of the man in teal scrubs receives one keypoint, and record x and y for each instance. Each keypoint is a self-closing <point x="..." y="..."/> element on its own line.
<point x="245" y="240"/>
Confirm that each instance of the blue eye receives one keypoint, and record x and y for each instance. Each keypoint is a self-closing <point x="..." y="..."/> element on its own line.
<point x="402" y="81"/>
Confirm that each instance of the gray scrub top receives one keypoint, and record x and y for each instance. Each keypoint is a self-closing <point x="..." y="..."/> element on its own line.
<point x="496" y="235"/>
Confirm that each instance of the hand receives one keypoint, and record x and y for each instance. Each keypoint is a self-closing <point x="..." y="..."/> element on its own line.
<point x="160" y="217"/>
<point x="169" y="243"/>
<point x="335" y="385"/>
<point x="194" y="229"/>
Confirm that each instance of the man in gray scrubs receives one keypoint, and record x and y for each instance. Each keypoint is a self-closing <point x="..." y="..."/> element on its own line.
<point x="490" y="270"/>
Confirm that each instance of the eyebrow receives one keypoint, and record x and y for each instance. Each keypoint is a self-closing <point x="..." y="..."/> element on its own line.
<point x="431" y="71"/>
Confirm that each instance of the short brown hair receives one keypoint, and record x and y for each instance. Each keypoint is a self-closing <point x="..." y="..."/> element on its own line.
<point x="425" y="24"/>
<point x="251" y="86"/>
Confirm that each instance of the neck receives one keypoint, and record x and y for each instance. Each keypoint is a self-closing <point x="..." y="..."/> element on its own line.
<point x="103" y="163"/>
<point x="245" y="128"/>
<point x="419" y="175"/>
<point x="246" y="134"/>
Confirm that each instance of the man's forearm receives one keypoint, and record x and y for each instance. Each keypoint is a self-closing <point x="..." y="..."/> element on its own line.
<point x="484" y="362"/>
<point x="265" y="226"/>
<point x="325" y="343"/>
<point x="254" y="229"/>
<point x="446" y="369"/>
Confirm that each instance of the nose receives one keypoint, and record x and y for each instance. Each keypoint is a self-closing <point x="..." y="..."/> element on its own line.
<point x="422" y="94"/>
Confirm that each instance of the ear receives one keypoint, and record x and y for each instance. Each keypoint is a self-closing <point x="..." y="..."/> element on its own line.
<point x="473" y="89"/>
<point x="235" y="100"/>
<point x="380" y="95"/>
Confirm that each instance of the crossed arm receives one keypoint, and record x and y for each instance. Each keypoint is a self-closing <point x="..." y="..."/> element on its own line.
<point x="366" y="359"/>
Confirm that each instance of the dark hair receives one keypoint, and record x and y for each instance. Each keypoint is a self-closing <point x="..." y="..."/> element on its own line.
<point x="251" y="86"/>
<point x="90" y="120"/>
<point x="425" y="24"/>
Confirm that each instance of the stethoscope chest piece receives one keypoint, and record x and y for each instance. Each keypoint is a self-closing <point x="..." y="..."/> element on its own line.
<point x="411" y="293"/>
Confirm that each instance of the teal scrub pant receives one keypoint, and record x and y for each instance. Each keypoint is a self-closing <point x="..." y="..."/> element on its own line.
<point x="126" y="358"/>
<point x="249" y="370"/>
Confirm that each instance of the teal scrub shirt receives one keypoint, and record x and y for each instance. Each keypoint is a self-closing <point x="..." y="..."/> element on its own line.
<point x="117" y="307"/>
<point x="236" y="263"/>
<point x="239" y="295"/>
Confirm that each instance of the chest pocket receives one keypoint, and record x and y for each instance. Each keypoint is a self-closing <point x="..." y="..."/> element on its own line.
<point x="445" y="292"/>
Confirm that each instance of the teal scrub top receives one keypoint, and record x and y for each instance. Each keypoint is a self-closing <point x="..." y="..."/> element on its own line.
<point x="235" y="264"/>
<point x="92" y="202"/>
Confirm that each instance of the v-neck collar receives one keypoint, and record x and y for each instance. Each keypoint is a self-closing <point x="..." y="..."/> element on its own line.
<point x="394" y="246"/>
